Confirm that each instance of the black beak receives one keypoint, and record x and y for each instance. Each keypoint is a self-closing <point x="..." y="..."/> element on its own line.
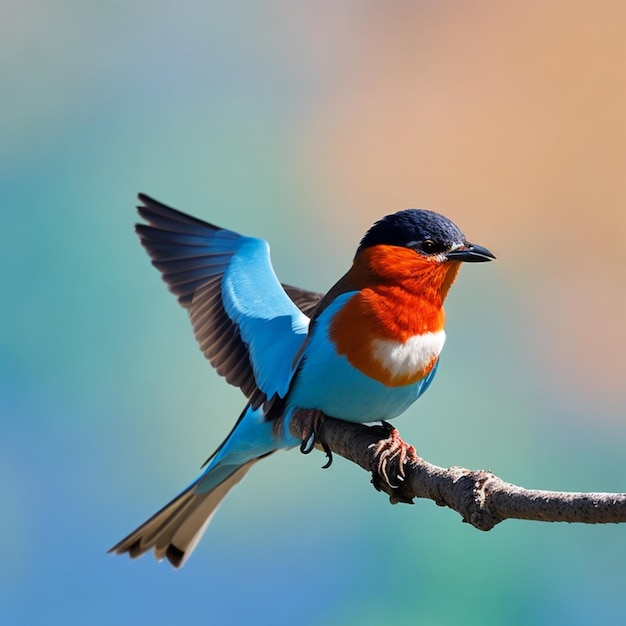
<point x="470" y="253"/>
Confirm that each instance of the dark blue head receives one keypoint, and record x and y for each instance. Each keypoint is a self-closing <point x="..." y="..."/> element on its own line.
<point x="426" y="232"/>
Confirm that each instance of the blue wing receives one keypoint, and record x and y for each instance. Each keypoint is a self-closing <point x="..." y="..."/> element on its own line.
<point x="243" y="319"/>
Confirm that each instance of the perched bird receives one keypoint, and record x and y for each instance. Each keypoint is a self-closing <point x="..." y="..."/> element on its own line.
<point x="363" y="352"/>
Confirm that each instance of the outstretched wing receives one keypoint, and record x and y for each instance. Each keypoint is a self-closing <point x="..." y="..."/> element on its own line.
<point x="245" y="323"/>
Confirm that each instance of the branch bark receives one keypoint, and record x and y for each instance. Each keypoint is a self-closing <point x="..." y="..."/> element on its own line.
<point x="481" y="498"/>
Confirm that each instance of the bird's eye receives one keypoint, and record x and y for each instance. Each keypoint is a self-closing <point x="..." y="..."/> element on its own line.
<point x="428" y="246"/>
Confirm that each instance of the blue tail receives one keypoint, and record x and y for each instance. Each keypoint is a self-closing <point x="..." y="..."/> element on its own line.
<point x="174" y="531"/>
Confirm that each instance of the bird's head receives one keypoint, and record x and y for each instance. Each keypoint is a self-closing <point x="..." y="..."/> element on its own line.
<point x="430" y="235"/>
<point x="420" y="249"/>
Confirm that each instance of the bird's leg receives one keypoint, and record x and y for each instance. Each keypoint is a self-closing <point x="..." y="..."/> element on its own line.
<point x="312" y="422"/>
<point x="390" y="456"/>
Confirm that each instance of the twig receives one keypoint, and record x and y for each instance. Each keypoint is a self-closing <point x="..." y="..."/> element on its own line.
<point x="480" y="497"/>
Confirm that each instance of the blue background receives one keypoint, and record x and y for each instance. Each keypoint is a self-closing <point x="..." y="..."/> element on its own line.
<point x="302" y="123"/>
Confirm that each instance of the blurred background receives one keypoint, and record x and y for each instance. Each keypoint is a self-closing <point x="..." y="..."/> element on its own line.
<point x="302" y="123"/>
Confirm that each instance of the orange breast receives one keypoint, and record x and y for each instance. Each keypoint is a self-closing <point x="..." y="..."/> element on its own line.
<point x="400" y="307"/>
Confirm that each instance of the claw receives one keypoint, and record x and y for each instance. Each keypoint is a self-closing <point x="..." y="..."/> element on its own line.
<point x="313" y="421"/>
<point x="308" y="443"/>
<point x="328" y="452"/>
<point x="390" y="455"/>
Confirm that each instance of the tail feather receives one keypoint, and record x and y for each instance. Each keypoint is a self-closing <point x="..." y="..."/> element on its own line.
<point x="174" y="531"/>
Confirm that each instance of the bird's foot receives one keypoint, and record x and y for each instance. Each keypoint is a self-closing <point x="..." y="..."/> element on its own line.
<point x="312" y="425"/>
<point x="390" y="456"/>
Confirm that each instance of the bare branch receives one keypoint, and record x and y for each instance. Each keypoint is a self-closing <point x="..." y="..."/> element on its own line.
<point x="480" y="497"/>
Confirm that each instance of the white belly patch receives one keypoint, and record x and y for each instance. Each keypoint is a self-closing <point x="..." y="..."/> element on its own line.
<point x="415" y="354"/>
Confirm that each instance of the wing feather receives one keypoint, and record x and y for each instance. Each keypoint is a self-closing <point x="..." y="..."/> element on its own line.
<point x="245" y="322"/>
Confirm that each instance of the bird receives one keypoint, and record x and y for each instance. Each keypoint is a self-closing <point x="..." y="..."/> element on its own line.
<point x="363" y="352"/>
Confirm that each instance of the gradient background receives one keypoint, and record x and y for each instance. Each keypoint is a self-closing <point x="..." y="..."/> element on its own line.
<point x="303" y="122"/>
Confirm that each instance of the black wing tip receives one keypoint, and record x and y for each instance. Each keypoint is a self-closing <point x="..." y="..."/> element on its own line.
<point x="147" y="200"/>
<point x="150" y="207"/>
<point x="142" y="229"/>
<point x="165" y="217"/>
<point x="148" y="203"/>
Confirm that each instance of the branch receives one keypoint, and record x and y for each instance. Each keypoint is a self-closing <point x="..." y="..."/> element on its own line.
<point x="481" y="498"/>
